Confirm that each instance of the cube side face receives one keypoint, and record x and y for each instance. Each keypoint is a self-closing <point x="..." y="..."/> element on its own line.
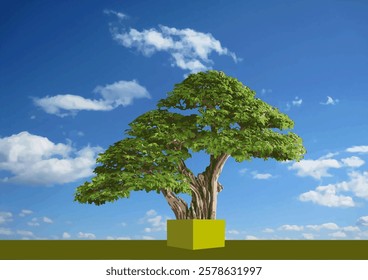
<point x="196" y="234"/>
<point x="208" y="234"/>
<point x="180" y="234"/>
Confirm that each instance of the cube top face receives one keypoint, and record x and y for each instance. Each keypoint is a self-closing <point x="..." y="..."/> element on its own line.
<point x="196" y="234"/>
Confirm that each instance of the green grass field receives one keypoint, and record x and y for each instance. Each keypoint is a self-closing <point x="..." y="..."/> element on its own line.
<point x="157" y="250"/>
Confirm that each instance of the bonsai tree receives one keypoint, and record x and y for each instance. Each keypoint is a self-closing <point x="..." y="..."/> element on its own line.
<point x="221" y="117"/>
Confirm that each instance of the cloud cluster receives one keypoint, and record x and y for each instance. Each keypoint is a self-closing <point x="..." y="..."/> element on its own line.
<point x="328" y="226"/>
<point x="327" y="196"/>
<point x="291" y="228"/>
<point x="265" y="90"/>
<point x="315" y="168"/>
<point x="5" y="231"/>
<point x="319" y="168"/>
<point x="35" y="222"/>
<point x="261" y="176"/>
<point x="118" y="238"/>
<point x="330" y="196"/>
<point x="5" y="217"/>
<point x="119" y="15"/>
<point x="256" y="175"/>
<point x="321" y="227"/>
<point x="14" y="220"/>
<point x="358" y="149"/>
<point x="330" y="101"/>
<point x="188" y="49"/>
<point x="85" y="235"/>
<point x="297" y="102"/>
<point x="35" y="160"/>
<point x="121" y="93"/>
<point x="363" y="221"/>
<point x="26" y="234"/>
<point x="25" y="212"/>
<point x="338" y="194"/>
<point x="156" y="222"/>
<point x="317" y="231"/>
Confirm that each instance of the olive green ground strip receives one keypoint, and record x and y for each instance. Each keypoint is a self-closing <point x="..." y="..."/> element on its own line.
<point x="157" y="250"/>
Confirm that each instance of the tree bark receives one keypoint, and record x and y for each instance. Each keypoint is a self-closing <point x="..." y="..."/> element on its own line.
<point x="178" y="205"/>
<point x="205" y="188"/>
<point x="215" y="170"/>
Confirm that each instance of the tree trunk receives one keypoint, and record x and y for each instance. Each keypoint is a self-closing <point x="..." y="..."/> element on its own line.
<point x="214" y="170"/>
<point x="205" y="188"/>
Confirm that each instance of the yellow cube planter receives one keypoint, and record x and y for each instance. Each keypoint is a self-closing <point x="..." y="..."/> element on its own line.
<point x="196" y="234"/>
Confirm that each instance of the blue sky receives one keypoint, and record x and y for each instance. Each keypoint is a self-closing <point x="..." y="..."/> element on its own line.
<point x="74" y="74"/>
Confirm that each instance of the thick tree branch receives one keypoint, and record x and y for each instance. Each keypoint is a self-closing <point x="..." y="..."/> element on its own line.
<point x="213" y="172"/>
<point x="178" y="205"/>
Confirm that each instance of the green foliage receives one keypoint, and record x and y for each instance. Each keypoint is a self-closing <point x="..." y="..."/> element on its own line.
<point x="231" y="120"/>
<point x="227" y="119"/>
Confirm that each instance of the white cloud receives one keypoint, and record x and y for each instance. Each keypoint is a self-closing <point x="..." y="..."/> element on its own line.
<point x="47" y="220"/>
<point x="25" y="233"/>
<point x="291" y="228"/>
<point x="121" y="93"/>
<point x="66" y="235"/>
<point x="242" y="171"/>
<point x="251" y="237"/>
<point x="86" y="235"/>
<point x="329" y="155"/>
<point x="315" y="168"/>
<point x="55" y="105"/>
<point x="357" y="149"/>
<point x="5" y="231"/>
<point x="233" y="231"/>
<point x="35" y="160"/>
<point x="363" y="221"/>
<point x="261" y="176"/>
<point x="353" y="161"/>
<point x="327" y="196"/>
<point x="155" y="222"/>
<point x="358" y="184"/>
<point x="308" y="236"/>
<point x="151" y="212"/>
<point x="330" y="101"/>
<point x="5" y="217"/>
<point x="25" y="212"/>
<point x="322" y="231"/>
<point x="328" y="226"/>
<point x="33" y="223"/>
<point x="351" y="229"/>
<point x="119" y="15"/>
<point x="188" y="49"/>
<point x="118" y="238"/>
<point x="363" y="235"/>
<point x="338" y="234"/>
<point x="297" y="101"/>
<point x="264" y="91"/>
<point x="145" y="237"/>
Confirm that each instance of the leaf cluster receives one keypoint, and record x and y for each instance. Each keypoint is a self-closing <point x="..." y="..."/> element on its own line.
<point x="227" y="118"/>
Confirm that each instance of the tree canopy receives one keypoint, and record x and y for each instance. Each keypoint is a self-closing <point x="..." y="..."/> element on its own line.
<point x="208" y="112"/>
